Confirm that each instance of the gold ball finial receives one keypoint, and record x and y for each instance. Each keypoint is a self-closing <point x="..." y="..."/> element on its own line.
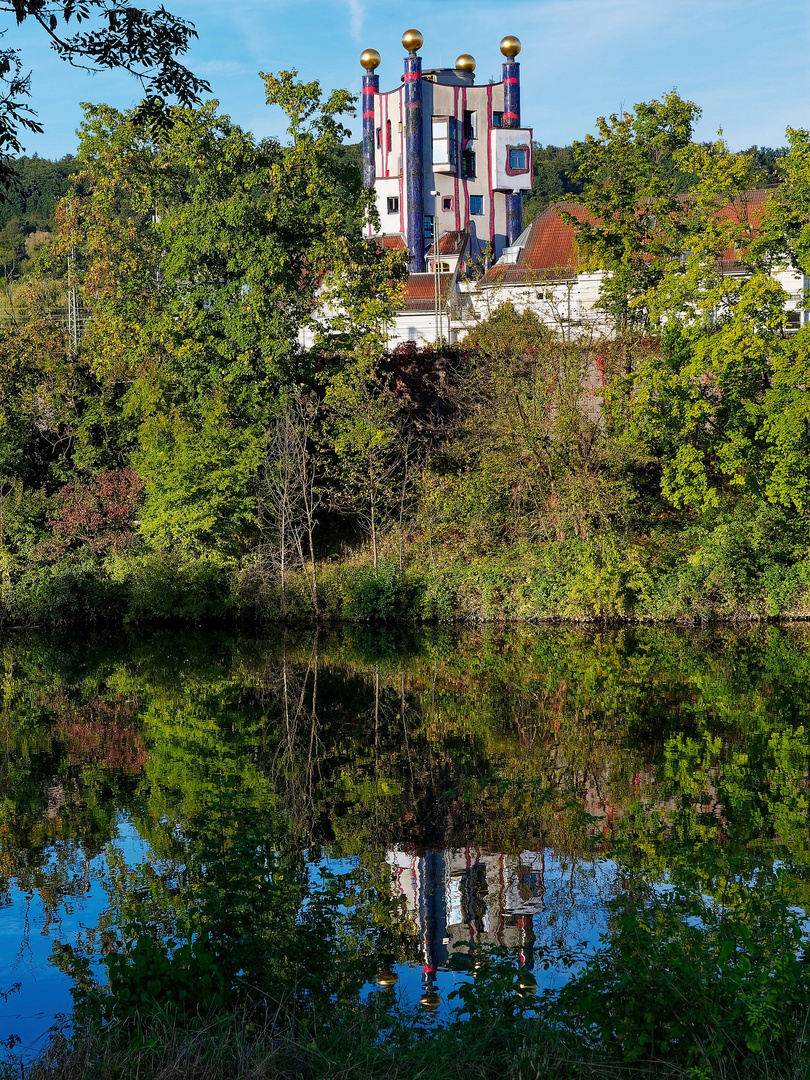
<point x="510" y="46"/>
<point x="412" y="40"/>
<point x="465" y="62"/>
<point x="369" y="59"/>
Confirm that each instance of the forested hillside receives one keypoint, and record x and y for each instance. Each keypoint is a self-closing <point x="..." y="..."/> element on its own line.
<point x="556" y="175"/>
<point x="169" y="450"/>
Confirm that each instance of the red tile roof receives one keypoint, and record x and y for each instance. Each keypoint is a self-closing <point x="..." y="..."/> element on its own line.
<point x="451" y="242"/>
<point x="391" y="242"/>
<point x="551" y="251"/>
<point x="420" y="291"/>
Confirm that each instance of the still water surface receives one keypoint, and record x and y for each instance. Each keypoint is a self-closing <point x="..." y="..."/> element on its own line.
<point x="397" y="799"/>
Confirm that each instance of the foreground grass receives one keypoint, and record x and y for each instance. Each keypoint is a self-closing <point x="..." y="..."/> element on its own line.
<point x="686" y="987"/>
<point x="352" y="1048"/>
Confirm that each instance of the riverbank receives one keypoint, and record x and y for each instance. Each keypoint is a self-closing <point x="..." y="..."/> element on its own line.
<point x="734" y="568"/>
<point x="352" y="1047"/>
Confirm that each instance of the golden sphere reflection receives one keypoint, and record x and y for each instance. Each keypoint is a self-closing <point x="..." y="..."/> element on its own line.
<point x="387" y="978"/>
<point x="412" y="40"/>
<point x="430" y="1000"/>
<point x="510" y="46"/>
<point x="465" y="62"/>
<point x="369" y="59"/>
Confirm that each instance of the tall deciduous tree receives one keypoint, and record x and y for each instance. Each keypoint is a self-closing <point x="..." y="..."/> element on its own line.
<point x="109" y="34"/>
<point x="290" y="493"/>
<point x="631" y="187"/>
<point x="722" y="400"/>
<point x="201" y="255"/>
<point x="365" y="429"/>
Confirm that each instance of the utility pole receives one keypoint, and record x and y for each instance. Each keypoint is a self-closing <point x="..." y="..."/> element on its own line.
<point x="436" y="277"/>
<point x="72" y="303"/>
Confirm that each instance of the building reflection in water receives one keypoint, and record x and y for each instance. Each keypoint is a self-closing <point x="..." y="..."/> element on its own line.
<point x="469" y="897"/>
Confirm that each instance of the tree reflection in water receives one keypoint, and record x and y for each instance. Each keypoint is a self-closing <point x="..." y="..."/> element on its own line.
<point x="486" y="788"/>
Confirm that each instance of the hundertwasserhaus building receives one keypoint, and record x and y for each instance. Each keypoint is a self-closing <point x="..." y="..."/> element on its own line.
<point x="449" y="163"/>
<point x="446" y="157"/>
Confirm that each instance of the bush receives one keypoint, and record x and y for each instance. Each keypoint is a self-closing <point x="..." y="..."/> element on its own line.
<point x="376" y="593"/>
<point x="66" y="593"/>
<point x="162" y="584"/>
<point x="750" y="562"/>
<point x="713" y="986"/>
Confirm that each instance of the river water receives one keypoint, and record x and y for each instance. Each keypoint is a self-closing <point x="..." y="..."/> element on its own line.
<point x="375" y="807"/>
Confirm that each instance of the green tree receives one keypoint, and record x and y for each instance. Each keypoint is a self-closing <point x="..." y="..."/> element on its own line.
<point x="202" y="253"/>
<point x="365" y="430"/>
<point x="117" y="35"/>
<point x="199" y="482"/>
<point x="722" y="401"/>
<point x="631" y="184"/>
<point x="554" y="178"/>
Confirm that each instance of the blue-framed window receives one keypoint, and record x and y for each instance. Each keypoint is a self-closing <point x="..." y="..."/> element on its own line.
<point x="476" y="204"/>
<point x="518" y="159"/>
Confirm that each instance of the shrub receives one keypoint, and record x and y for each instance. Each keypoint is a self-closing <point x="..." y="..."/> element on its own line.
<point x="165" y="584"/>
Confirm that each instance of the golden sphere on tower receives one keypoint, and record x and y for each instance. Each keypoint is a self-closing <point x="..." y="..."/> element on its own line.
<point x="465" y="62"/>
<point x="369" y="59"/>
<point x="412" y="40"/>
<point x="510" y="46"/>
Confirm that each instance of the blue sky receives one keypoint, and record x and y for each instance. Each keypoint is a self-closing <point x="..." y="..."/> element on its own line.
<point x="746" y="62"/>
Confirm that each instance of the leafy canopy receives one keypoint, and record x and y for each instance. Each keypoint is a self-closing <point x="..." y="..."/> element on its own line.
<point x="114" y="35"/>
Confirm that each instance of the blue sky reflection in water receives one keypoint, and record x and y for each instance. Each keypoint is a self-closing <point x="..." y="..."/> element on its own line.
<point x="484" y="787"/>
<point x="28" y="932"/>
<point x="535" y="900"/>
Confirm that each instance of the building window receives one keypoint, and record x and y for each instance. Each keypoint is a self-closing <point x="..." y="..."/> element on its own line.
<point x="388" y="134"/>
<point x="476" y="204"/>
<point x="469" y="124"/>
<point x="447" y="203"/>
<point x="428" y="226"/>
<point x="497" y="119"/>
<point x="518" y="159"/>
<point x="393" y="204"/>
<point x="453" y="143"/>
<point x="379" y="138"/>
<point x="468" y="164"/>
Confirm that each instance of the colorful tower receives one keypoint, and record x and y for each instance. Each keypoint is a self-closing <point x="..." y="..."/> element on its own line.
<point x="414" y="143"/>
<point x="510" y="47"/>
<point x="448" y="160"/>
<point x="369" y="61"/>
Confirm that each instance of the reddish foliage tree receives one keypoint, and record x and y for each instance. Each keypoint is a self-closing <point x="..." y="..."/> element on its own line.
<point x="97" y="514"/>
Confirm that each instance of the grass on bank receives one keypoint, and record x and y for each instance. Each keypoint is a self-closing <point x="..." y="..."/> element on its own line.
<point x="685" y="987"/>
<point x="352" y="1048"/>
<point x="749" y="564"/>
